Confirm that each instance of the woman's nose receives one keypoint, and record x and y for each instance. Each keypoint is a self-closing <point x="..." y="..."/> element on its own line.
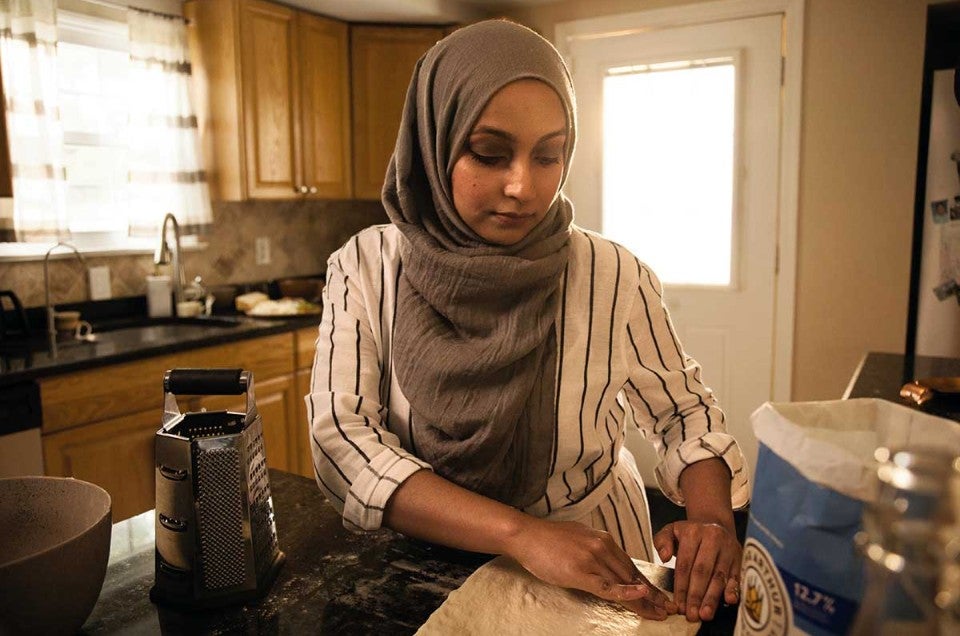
<point x="519" y="182"/>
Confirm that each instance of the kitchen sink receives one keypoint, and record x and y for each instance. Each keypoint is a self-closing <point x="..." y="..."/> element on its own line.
<point x="167" y="324"/>
<point x="115" y="335"/>
<point x="142" y="330"/>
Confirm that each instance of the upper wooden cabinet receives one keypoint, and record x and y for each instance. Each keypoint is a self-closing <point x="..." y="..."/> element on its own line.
<point x="382" y="62"/>
<point x="273" y="99"/>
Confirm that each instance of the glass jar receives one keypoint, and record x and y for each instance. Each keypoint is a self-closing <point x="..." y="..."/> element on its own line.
<point x="910" y="544"/>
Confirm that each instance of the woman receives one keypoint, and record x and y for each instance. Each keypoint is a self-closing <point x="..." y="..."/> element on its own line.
<point x="479" y="358"/>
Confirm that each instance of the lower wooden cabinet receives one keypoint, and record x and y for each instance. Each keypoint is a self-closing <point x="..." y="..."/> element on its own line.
<point x="99" y="425"/>
<point x="116" y="454"/>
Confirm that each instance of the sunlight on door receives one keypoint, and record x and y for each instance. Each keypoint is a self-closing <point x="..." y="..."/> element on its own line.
<point x="668" y="157"/>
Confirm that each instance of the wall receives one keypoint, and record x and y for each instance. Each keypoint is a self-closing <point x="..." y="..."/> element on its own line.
<point x="302" y="235"/>
<point x="862" y="70"/>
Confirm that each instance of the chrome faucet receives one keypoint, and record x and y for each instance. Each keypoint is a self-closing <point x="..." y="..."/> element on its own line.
<point x="164" y="255"/>
<point x="51" y="325"/>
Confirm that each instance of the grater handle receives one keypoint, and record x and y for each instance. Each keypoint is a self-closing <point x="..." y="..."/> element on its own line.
<point x="206" y="381"/>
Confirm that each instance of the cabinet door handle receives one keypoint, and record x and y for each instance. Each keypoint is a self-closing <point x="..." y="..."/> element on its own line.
<point x="313" y="189"/>
<point x="301" y="189"/>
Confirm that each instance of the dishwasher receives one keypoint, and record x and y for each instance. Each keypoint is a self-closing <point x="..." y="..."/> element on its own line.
<point x="21" y="452"/>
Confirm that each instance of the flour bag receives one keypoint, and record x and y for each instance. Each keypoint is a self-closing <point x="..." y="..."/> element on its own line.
<point x="815" y="469"/>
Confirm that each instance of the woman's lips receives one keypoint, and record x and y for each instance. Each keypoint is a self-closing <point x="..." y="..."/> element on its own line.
<point x="511" y="218"/>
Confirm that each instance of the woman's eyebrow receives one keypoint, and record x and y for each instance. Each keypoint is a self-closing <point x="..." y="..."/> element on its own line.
<point x="503" y="134"/>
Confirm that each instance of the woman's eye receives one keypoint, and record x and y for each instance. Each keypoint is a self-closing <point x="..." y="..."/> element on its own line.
<point x="548" y="160"/>
<point x="487" y="160"/>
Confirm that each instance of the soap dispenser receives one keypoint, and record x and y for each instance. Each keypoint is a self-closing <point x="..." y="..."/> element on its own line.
<point x="159" y="295"/>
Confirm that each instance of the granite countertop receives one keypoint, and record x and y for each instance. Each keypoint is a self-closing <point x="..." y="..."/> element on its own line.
<point x="333" y="581"/>
<point x="31" y="359"/>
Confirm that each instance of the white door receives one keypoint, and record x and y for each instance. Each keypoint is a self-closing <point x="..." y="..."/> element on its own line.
<point x="678" y="161"/>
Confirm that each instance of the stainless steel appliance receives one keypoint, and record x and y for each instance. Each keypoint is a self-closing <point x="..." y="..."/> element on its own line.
<point x="216" y="539"/>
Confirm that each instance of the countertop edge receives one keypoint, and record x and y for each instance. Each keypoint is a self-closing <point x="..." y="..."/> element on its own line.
<point x="250" y="328"/>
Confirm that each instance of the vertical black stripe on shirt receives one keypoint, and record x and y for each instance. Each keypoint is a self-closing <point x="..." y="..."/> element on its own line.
<point x="613" y="449"/>
<point x="586" y="360"/>
<point x="357" y="379"/>
<point x="333" y="321"/>
<point x="656" y="345"/>
<point x="556" y="406"/>
<point x="663" y="384"/>
<point x="388" y="351"/>
<point x="644" y="400"/>
<point x="680" y="356"/>
<point x="343" y="434"/>
<point x="383" y="289"/>
<point x="636" y="518"/>
<point x="699" y="378"/>
<point x="331" y="460"/>
<point x="325" y="486"/>
<point x="366" y="419"/>
<point x="646" y="309"/>
<point x="613" y="310"/>
<point x="616" y="518"/>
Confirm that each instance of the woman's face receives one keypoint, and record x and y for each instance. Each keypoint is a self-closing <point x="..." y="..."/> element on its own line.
<point x="508" y="174"/>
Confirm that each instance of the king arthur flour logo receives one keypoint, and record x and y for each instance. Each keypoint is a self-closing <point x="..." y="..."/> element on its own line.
<point x="764" y="604"/>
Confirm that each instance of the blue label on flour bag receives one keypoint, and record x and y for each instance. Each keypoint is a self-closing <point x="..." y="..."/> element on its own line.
<point x="806" y="532"/>
<point x="828" y="610"/>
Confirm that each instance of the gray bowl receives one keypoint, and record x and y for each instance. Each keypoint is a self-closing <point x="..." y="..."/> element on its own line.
<point x="54" y="547"/>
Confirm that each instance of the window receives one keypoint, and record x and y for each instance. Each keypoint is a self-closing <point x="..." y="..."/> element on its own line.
<point x="92" y="71"/>
<point x="668" y="153"/>
<point x="102" y="135"/>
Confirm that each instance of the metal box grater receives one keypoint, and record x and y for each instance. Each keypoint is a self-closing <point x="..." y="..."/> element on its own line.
<point x="216" y="539"/>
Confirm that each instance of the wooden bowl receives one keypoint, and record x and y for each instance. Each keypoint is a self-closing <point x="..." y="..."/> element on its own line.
<point x="54" y="548"/>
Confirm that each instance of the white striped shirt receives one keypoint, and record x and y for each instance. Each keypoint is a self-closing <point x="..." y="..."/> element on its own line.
<point x="618" y="361"/>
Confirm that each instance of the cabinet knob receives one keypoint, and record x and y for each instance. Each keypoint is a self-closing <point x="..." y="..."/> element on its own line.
<point x="313" y="189"/>
<point x="301" y="189"/>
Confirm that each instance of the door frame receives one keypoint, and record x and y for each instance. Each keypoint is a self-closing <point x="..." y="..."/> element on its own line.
<point x="565" y="33"/>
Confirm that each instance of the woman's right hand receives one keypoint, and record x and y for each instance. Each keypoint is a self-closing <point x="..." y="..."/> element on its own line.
<point x="571" y="555"/>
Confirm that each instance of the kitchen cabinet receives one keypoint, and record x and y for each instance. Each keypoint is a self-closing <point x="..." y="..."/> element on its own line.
<point x="99" y="425"/>
<point x="272" y="87"/>
<point x="382" y="62"/>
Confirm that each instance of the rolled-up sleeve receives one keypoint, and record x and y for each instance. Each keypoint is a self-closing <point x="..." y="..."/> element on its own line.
<point x="670" y="404"/>
<point x="358" y="463"/>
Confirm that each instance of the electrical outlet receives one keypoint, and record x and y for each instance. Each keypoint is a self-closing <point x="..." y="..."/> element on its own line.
<point x="99" y="283"/>
<point x="262" y="251"/>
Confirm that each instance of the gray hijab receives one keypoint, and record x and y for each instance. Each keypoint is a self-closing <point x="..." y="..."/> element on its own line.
<point x="474" y="345"/>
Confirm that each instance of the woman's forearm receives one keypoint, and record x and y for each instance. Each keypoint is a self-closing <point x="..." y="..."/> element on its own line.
<point x="568" y="554"/>
<point x="429" y="507"/>
<point x="706" y="491"/>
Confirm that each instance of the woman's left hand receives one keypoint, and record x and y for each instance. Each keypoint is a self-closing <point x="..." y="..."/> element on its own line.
<point x="708" y="565"/>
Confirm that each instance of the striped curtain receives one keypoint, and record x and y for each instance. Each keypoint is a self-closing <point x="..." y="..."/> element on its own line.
<point x="166" y="174"/>
<point x="28" y="48"/>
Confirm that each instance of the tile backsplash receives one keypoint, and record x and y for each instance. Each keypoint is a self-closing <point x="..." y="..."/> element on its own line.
<point x="302" y="234"/>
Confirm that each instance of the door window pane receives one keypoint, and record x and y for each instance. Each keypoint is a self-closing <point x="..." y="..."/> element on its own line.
<point x="668" y="178"/>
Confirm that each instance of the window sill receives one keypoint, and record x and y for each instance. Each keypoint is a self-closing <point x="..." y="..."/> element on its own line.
<point x="28" y="252"/>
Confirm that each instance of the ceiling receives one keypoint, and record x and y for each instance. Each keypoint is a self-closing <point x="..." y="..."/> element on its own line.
<point x="411" y="11"/>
